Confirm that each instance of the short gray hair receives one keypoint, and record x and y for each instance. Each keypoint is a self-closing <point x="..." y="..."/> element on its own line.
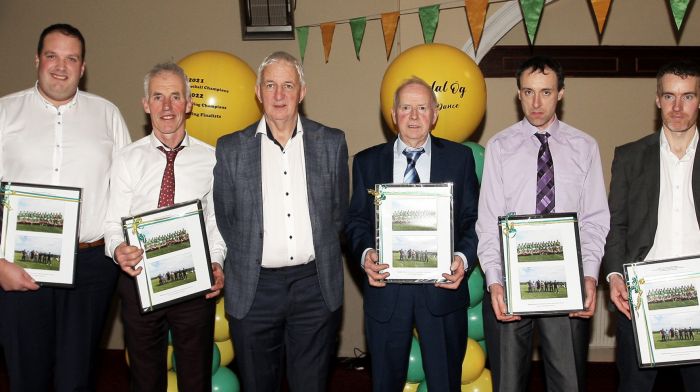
<point x="285" y="57"/>
<point x="410" y="81"/>
<point x="167" y="67"/>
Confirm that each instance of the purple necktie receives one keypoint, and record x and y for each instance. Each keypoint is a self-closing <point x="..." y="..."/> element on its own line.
<point x="545" y="177"/>
<point x="167" y="185"/>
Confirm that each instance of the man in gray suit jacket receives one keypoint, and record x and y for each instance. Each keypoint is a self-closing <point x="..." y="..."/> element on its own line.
<point x="281" y="192"/>
<point x="654" y="194"/>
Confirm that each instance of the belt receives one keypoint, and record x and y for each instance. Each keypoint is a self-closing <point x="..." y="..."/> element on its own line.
<point x="88" y="245"/>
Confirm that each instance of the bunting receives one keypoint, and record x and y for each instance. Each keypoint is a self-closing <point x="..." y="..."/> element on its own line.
<point x="476" y="16"/>
<point x="357" y="28"/>
<point x="601" y="8"/>
<point x="327" y="30"/>
<point x="429" y="17"/>
<point x="678" y="8"/>
<point x="390" y="21"/>
<point x="303" y="37"/>
<point x="532" y="11"/>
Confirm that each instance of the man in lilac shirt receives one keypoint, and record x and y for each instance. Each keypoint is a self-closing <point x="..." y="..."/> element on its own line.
<point x="510" y="185"/>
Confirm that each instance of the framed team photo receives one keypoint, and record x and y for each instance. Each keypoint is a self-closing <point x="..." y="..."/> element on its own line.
<point x="541" y="258"/>
<point x="176" y="262"/>
<point x="414" y="231"/>
<point x="663" y="297"/>
<point x="39" y="230"/>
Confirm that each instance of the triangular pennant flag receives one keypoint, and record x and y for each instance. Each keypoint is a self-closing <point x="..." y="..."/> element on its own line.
<point x="532" y="10"/>
<point x="327" y="30"/>
<point x="302" y="36"/>
<point x="678" y="8"/>
<point x="476" y="16"/>
<point x="390" y="21"/>
<point x="357" y="28"/>
<point x="601" y="9"/>
<point x="429" y="17"/>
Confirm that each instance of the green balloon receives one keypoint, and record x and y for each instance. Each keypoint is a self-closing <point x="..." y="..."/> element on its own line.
<point x="476" y="286"/>
<point x="475" y="322"/>
<point x="224" y="380"/>
<point x="482" y="343"/>
<point x="423" y="387"/>
<point x="478" y="152"/>
<point x="415" y="364"/>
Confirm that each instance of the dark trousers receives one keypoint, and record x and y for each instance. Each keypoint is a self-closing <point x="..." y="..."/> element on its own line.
<point x="51" y="336"/>
<point x="563" y="343"/>
<point x="288" y="322"/>
<point x="192" y="327"/>
<point x="632" y="377"/>
<point x="443" y="343"/>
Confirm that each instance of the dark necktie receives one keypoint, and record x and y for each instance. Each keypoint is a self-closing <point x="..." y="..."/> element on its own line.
<point x="545" y="177"/>
<point x="410" y="176"/>
<point x="167" y="186"/>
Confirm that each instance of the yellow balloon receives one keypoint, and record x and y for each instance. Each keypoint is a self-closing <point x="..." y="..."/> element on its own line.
<point x="474" y="361"/>
<point x="172" y="381"/>
<point x="456" y="80"/>
<point x="223" y="94"/>
<point x="481" y="384"/>
<point x="410" y="387"/>
<point x="170" y="356"/>
<point x="227" y="352"/>
<point x="221" y="331"/>
<point x="126" y="354"/>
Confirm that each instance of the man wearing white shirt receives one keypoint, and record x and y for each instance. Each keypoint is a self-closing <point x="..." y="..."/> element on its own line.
<point x="55" y="134"/>
<point x="653" y="197"/>
<point x="140" y="182"/>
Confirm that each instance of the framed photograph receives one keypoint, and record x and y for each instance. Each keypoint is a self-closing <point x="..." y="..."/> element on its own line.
<point x="39" y="230"/>
<point x="176" y="262"/>
<point x="663" y="297"/>
<point x="414" y="230"/>
<point x="541" y="256"/>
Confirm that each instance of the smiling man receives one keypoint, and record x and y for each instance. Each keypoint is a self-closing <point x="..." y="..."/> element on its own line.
<point x="55" y="134"/>
<point x="540" y="165"/>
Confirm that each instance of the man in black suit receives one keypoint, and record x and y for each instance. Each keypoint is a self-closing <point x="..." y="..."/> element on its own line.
<point x="439" y="311"/>
<point x="653" y="198"/>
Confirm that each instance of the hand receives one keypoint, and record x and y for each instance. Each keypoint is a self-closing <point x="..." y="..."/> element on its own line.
<point x="589" y="304"/>
<point x="373" y="270"/>
<point x="454" y="279"/>
<point x="618" y="295"/>
<point x="218" y="280"/>
<point x="15" y="278"/>
<point x="499" y="305"/>
<point x="127" y="257"/>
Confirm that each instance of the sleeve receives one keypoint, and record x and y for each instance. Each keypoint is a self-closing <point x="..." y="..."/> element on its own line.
<point x="120" y="196"/>
<point x="217" y="247"/>
<point x="221" y="188"/>
<point x="120" y="132"/>
<point x="466" y="243"/>
<point x="617" y="200"/>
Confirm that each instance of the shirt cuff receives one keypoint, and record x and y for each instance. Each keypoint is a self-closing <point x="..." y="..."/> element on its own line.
<point x="464" y="259"/>
<point x="607" y="278"/>
<point x="364" y="255"/>
<point x="493" y="275"/>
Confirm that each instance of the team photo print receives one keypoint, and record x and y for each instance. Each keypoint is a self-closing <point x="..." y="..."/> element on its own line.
<point x="172" y="272"/>
<point x="543" y="281"/>
<point x="38" y="252"/>
<point x="414" y="215"/>
<point x="413" y="251"/>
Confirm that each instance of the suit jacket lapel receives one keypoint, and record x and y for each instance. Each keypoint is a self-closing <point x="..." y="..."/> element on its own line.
<point x="386" y="164"/>
<point x="652" y="175"/>
<point x="438" y="163"/>
<point x="313" y="156"/>
<point x="251" y="157"/>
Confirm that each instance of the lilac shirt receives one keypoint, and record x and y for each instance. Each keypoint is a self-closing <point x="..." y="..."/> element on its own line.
<point x="509" y="185"/>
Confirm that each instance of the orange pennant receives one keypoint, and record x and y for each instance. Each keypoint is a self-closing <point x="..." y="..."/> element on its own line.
<point x="476" y="15"/>
<point x="601" y="9"/>
<point x="327" y="30"/>
<point x="390" y="21"/>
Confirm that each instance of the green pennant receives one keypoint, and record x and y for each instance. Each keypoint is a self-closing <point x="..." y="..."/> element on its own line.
<point x="302" y="36"/>
<point x="357" y="27"/>
<point x="678" y="8"/>
<point x="429" y="16"/>
<point x="532" y="11"/>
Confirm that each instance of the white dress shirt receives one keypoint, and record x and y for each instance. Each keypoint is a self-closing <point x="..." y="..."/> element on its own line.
<point x="70" y="145"/>
<point x="136" y="178"/>
<point x="287" y="236"/>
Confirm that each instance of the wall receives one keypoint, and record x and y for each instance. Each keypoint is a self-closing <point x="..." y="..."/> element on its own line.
<point x="125" y="38"/>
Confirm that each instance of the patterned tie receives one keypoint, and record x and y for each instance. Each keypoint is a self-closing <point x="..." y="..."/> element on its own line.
<point x="167" y="186"/>
<point x="545" y="177"/>
<point x="410" y="176"/>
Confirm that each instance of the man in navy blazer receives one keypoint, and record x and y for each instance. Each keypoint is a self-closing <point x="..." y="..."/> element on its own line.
<point x="281" y="192"/>
<point x="438" y="311"/>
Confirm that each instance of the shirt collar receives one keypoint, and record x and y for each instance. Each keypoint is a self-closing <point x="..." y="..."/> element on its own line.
<point x="553" y="128"/>
<point x="264" y="130"/>
<point x="155" y="143"/>
<point x="689" y="150"/>
<point x="70" y="103"/>
<point x="399" y="146"/>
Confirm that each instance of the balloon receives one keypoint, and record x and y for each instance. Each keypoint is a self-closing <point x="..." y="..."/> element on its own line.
<point x="223" y="94"/>
<point x="482" y="344"/>
<point x="224" y="380"/>
<point x="172" y="381"/>
<point x="478" y="152"/>
<point x="423" y="387"/>
<point x="216" y="360"/>
<point x="481" y="384"/>
<point x="126" y="355"/>
<point x="475" y="322"/>
<point x="456" y="80"/>
<point x="170" y="357"/>
<point x="476" y="286"/>
<point x="221" y="331"/>
<point x="473" y="363"/>
<point x="415" y="364"/>
<point x="226" y="350"/>
<point x="170" y="337"/>
<point x="410" y="387"/>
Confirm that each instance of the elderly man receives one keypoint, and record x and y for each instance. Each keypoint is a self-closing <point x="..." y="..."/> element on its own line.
<point x="391" y="310"/>
<point x="281" y="190"/>
<point x="55" y="134"/>
<point x="143" y="177"/>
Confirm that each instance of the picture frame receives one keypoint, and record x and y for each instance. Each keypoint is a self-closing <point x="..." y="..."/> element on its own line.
<point x="541" y="260"/>
<point x="39" y="230"/>
<point x="663" y="299"/>
<point x="176" y="264"/>
<point x="414" y="231"/>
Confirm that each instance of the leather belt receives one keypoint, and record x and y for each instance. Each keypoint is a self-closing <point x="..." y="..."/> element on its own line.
<point x="88" y="245"/>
